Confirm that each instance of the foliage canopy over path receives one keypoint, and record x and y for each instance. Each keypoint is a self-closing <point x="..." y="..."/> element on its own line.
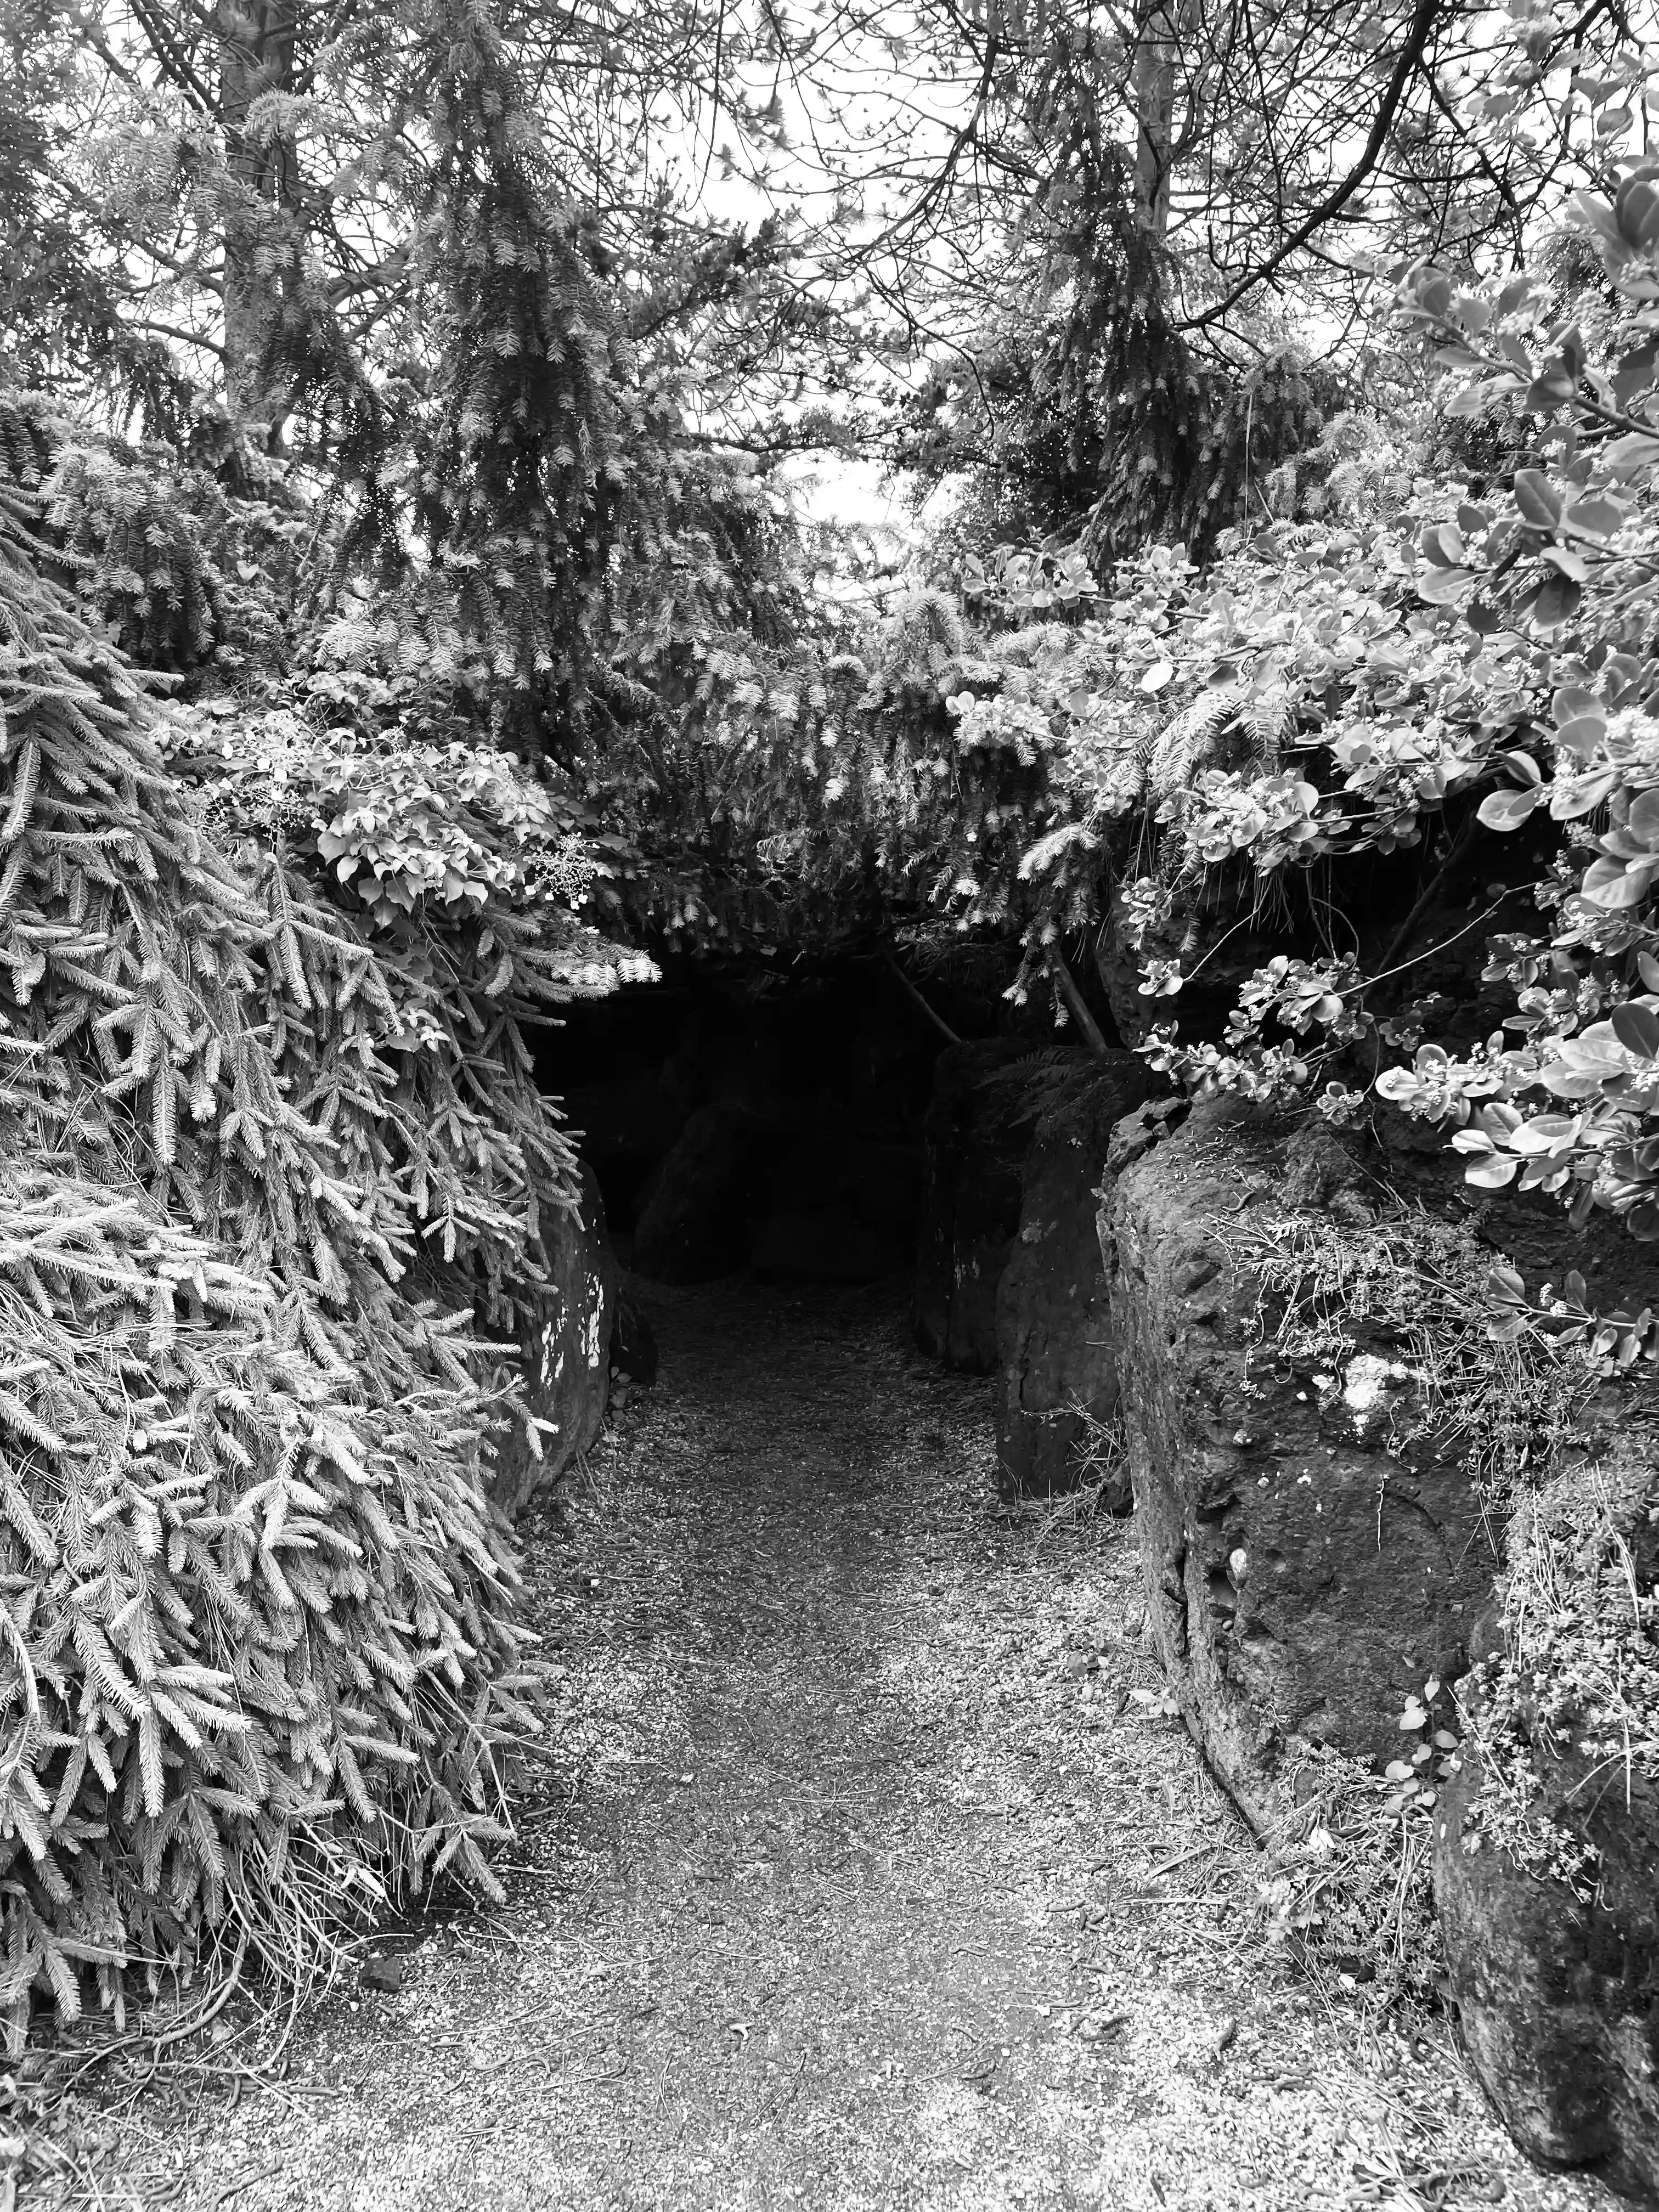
<point x="857" y="1889"/>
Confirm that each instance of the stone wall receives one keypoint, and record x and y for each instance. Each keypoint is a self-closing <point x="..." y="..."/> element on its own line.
<point x="1302" y="1581"/>
<point x="989" y="1095"/>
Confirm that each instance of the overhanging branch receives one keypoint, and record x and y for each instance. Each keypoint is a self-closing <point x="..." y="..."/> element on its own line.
<point x="1408" y="60"/>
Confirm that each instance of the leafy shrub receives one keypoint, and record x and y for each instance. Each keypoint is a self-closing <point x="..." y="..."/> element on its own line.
<point x="1338" y="722"/>
<point x="407" y="824"/>
<point x="1384" y="680"/>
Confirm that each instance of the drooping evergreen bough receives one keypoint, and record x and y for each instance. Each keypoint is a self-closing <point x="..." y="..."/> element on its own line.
<point x="258" y="1665"/>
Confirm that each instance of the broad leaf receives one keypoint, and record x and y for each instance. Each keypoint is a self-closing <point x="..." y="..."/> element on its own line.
<point x="1508" y="810"/>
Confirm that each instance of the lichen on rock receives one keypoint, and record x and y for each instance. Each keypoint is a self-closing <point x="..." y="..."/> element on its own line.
<point x="562" y="1341"/>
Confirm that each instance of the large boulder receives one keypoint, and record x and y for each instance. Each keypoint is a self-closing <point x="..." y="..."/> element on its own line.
<point x="1546" y="1858"/>
<point x="564" y="1347"/>
<point x="987" y="1098"/>
<point x="1057" y="1367"/>
<point x="1303" y="1581"/>
<point x="702" y="1207"/>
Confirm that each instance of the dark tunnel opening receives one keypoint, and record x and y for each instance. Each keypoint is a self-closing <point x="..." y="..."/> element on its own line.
<point x="765" y="1116"/>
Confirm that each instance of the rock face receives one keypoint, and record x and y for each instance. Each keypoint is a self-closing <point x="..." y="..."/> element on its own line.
<point x="1559" y="1992"/>
<point x="1056" y="1367"/>
<point x="974" y="1143"/>
<point x="564" y="1342"/>
<point x="989" y="1095"/>
<point x="701" y="1211"/>
<point x="1302" y="1582"/>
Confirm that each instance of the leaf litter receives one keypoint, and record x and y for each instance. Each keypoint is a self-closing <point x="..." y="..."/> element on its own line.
<point x="865" y="1873"/>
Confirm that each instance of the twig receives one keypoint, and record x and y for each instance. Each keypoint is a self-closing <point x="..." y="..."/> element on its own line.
<point x="236" y="2188"/>
<point x="1085" y="1021"/>
<point x="1410" y="57"/>
<point x="1402" y="937"/>
<point x="788" y="2091"/>
<point x="588" y="2079"/>
<point x="938" y="1020"/>
<point x="1209" y="1897"/>
<point x="1182" y="1857"/>
<point x="84" y="2062"/>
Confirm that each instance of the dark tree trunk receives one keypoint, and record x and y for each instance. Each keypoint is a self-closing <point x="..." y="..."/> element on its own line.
<point x="1162" y="27"/>
<point x="256" y="42"/>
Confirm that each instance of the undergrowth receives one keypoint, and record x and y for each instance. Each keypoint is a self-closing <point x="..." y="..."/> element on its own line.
<point x="1346" y="1886"/>
<point x="1395" y="1318"/>
<point x="1101" y="1474"/>
<point x="1569" y="1716"/>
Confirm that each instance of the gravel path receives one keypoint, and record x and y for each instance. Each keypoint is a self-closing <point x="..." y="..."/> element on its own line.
<point x="862" y="1882"/>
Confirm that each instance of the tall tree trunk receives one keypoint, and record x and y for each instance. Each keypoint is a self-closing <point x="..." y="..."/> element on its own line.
<point x="1157" y="32"/>
<point x="256" y="41"/>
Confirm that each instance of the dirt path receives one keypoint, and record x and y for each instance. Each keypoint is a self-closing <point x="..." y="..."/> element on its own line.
<point x="855" y="1887"/>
